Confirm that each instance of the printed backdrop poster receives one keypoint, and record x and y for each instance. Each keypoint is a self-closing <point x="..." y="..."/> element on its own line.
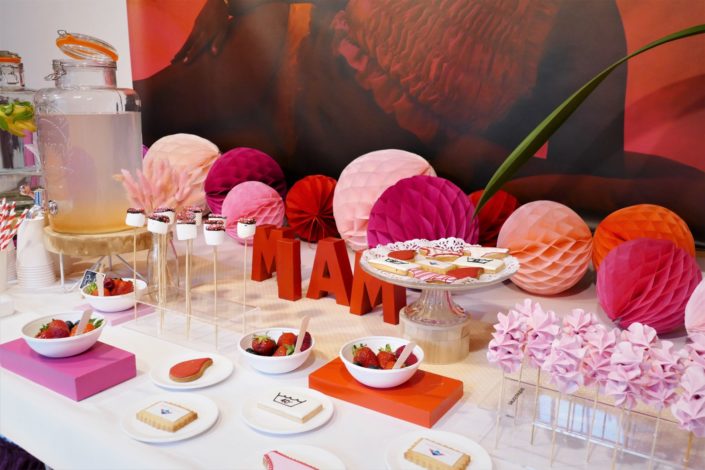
<point x="317" y="83"/>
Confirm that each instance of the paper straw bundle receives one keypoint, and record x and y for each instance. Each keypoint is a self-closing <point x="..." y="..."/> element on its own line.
<point x="9" y="222"/>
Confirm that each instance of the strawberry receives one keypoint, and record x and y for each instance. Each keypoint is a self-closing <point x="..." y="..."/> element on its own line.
<point x="306" y="342"/>
<point x="386" y="357"/>
<point x="92" y="325"/>
<point x="108" y="285"/>
<point x="286" y="339"/>
<point x="284" y="350"/>
<point x="263" y="345"/>
<point x="412" y="359"/>
<point x="54" y="329"/>
<point x="365" y="357"/>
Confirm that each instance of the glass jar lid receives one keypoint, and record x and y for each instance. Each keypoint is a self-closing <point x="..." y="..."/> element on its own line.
<point x="81" y="46"/>
<point x="8" y="57"/>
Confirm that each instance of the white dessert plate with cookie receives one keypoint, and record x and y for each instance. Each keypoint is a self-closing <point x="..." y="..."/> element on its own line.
<point x="438" y="449"/>
<point x="191" y="370"/>
<point x="170" y="417"/>
<point x="287" y="410"/>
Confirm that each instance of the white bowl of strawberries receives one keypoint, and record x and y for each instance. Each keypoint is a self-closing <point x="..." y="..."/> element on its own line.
<point x="118" y="295"/>
<point x="370" y="360"/>
<point x="271" y="350"/>
<point x="57" y="335"/>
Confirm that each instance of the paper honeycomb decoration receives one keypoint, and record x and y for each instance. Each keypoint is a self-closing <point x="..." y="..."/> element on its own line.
<point x="640" y="221"/>
<point x="553" y="246"/>
<point x="647" y="281"/>
<point x="237" y="166"/>
<point x="493" y="214"/>
<point x="363" y="181"/>
<point x="186" y="152"/>
<point x="421" y="207"/>
<point x="309" y="208"/>
<point x="252" y="199"/>
<point x="695" y="310"/>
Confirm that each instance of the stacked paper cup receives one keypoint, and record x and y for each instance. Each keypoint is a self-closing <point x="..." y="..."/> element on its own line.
<point x="11" y="263"/>
<point x="35" y="268"/>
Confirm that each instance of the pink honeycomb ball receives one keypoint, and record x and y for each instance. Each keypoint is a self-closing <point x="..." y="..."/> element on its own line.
<point x="252" y="199"/>
<point x="552" y="243"/>
<point x="363" y="181"/>
<point x="647" y="281"/>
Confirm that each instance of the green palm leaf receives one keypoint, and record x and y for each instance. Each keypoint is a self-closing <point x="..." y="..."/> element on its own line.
<point x="536" y="138"/>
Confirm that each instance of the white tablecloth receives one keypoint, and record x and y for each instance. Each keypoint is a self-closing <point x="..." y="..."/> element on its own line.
<point x="87" y="434"/>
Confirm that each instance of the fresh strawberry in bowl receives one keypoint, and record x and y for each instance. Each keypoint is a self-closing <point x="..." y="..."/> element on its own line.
<point x="370" y="361"/>
<point x="271" y="350"/>
<point x="57" y="335"/>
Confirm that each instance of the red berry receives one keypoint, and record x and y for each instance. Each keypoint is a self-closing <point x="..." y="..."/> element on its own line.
<point x="284" y="350"/>
<point x="412" y="359"/>
<point x="306" y="342"/>
<point x="286" y="338"/>
<point x="365" y="357"/>
<point x="263" y="345"/>
<point x="386" y="359"/>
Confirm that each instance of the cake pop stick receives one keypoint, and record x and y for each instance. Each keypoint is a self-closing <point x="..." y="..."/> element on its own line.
<point x="159" y="225"/>
<point x="186" y="230"/>
<point x="536" y="405"/>
<point x="688" y="448"/>
<point x="135" y="218"/>
<point x="616" y="440"/>
<point x="653" y="441"/>
<point x="246" y="227"/>
<point x="499" y="411"/>
<point x="215" y="235"/>
<point x="592" y="423"/>
<point x="516" y="402"/>
<point x="554" y="428"/>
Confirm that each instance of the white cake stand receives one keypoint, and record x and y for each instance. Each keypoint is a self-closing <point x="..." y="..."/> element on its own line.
<point x="434" y="320"/>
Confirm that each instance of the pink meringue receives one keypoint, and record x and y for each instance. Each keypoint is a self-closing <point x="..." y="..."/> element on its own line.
<point x="640" y="335"/>
<point x="599" y="344"/>
<point x="564" y="363"/>
<point x="662" y="374"/>
<point x="689" y="409"/>
<point x="695" y="349"/>
<point x="527" y="308"/>
<point x="506" y="349"/>
<point x="578" y="322"/>
<point x="623" y="381"/>
<point x="543" y="328"/>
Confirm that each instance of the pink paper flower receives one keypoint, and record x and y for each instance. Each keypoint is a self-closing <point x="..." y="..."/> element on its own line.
<point x="543" y="328"/>
<point x="599" y="344"/>
<point x="624" y="380"/>
<point x="506" y="349"/>
<point x="578" y="322"/>
<point x="564" y="363"/>
<point x="689" y="409"/>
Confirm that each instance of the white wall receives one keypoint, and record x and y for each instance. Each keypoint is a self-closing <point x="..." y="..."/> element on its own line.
<point x="29" y="29"/>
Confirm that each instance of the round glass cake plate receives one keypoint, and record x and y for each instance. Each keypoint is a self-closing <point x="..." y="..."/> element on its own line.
<point x="434" y="320"/>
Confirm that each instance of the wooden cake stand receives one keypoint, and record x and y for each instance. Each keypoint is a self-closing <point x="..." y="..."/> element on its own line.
<point x="98" y="245"/>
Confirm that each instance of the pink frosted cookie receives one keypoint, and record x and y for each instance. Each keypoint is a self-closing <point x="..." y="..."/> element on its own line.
<point x="430" y="277"/>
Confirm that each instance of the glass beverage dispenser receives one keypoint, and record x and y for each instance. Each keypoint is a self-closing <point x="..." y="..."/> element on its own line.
<point x="16" y="124"/>
<point x="88" y="130"/>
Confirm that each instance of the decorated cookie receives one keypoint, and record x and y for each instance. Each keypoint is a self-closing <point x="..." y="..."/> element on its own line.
<point x="491" y="266"/>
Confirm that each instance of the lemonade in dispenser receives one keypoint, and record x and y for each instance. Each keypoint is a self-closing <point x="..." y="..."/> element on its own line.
<point x="88" y="130"/>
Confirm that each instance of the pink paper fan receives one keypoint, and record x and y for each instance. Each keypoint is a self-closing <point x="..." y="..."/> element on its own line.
<point x="187" y="152"/>
<point x="695" y="310"/>
<point x="647" y="281"/>
<point x="252" y="199"/>
<point x="421" y="207"/>
<point x="237" y="166"/>
<point x="553" y="245"/>
<point x="363" y="181"/>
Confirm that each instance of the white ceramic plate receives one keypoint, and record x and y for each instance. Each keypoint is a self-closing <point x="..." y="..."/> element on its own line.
<point x="220" y="370"/>
<point x="314" y="456"/>
<point x="206" y="409"/>
<point x="479" y="458"/>
<point x="265" y="421"/>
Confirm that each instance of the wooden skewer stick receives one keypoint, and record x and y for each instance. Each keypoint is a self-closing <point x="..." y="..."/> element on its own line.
<point x="499" y="410"/>
<point x="536" y="405"/>
<point x="616" y="441"/>
<point x="134" y="268"/>
<point x="555" y="428"/>
<point x="688" y="449"/>
<point x="592" y="422"/>
<point x="215" y="292"/>
<point x="653" y="441"/>
<point x="189" y="248"/>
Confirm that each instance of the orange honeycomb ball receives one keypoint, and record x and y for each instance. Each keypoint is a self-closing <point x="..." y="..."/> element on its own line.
<point x="640" y="221"/>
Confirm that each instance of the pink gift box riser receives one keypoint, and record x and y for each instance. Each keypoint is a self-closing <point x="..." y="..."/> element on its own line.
<point x="77" y="377"/>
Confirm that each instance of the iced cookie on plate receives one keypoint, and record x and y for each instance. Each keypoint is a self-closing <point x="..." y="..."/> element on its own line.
<point x="490" y="266"/>
<point x="393" y="265"/>
<point x="434" y="266"/>
<point x="291" y="405"/>
<point x="275" y="460"/>
<point x="435" y="456"/>
<point x="166" y="416"/>
<point x="188" y="371"/>
<point x="477" y="251"/>
<point x="405" y="255"/>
